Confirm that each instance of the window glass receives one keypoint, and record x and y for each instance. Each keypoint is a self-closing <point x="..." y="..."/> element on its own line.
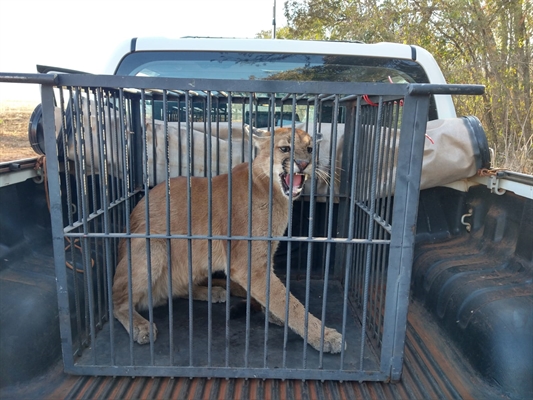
<point x="268" y="66"/>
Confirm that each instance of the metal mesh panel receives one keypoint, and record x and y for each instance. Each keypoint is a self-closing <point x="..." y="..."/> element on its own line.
<point x="339" y="256"/>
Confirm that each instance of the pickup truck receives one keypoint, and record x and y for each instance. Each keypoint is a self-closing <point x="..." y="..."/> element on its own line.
<point x="413" y="248"/>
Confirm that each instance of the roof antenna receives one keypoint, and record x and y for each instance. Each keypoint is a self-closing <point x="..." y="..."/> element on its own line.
<point x="274" y="21"/>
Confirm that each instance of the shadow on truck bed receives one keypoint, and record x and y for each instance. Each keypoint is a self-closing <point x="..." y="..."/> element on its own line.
<point x="469" y="329"/>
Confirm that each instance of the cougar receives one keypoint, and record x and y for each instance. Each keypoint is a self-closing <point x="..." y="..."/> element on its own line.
<point x="282" y="186"/>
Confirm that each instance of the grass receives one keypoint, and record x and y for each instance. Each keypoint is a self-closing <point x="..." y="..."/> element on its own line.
<point x="14" y="118"/>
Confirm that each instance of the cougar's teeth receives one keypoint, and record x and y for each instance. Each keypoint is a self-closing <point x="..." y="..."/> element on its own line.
<point x="298" y="181"/>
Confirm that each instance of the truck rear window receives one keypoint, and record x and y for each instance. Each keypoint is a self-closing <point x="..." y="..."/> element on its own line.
<point x="269" y="66"/>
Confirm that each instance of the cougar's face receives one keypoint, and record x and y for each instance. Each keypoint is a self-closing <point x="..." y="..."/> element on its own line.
<point x="289" y="150"/>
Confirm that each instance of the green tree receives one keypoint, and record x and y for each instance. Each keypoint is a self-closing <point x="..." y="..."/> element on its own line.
<point x="281" y="33"/>
<point x="474" y="41"/>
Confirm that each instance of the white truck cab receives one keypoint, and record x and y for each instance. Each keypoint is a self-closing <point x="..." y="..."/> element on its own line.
<point x="197" y="58"/>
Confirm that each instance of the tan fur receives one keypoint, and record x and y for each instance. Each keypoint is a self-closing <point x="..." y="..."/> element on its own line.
<point x="239" y="248"/>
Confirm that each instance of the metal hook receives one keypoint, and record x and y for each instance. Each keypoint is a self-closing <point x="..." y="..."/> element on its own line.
<point x="468" y="226"/>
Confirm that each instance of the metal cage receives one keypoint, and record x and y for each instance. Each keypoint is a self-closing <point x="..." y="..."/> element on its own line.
<point x="346" y="254"/>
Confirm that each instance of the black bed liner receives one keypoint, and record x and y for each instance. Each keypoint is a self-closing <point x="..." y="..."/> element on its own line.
<point x="436" y="364"/>
<point x="433" y="369"/>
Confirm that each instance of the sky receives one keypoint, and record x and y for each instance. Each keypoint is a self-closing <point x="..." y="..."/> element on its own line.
<point x="82" y="34"/>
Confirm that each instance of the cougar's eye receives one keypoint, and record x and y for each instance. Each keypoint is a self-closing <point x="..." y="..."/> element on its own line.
<point x="309" y="150"/>
<point x="285" y="149"/>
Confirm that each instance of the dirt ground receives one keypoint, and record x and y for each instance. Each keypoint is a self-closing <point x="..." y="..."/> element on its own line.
<point x="14" y="118"/>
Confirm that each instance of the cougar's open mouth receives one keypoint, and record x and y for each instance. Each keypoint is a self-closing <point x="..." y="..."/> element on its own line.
<point x="298" y="181"/>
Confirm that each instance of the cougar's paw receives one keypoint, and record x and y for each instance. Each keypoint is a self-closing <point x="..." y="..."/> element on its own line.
<point x="141" y="332"/>
<point x="218" y="295"/>
<point x="332" y="341"/>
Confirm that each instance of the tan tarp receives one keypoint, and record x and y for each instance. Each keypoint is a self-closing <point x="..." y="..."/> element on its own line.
<point x="450" y="155"/>
<point x="449" y="151"/>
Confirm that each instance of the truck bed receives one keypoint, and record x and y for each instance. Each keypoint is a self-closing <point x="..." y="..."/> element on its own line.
<point x="433" y="369"/>
<point x="440" y="361"/>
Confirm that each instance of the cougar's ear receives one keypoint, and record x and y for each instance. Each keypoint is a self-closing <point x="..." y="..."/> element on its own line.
<point x="258" y="135"/>
<point x="256" y="131"/>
